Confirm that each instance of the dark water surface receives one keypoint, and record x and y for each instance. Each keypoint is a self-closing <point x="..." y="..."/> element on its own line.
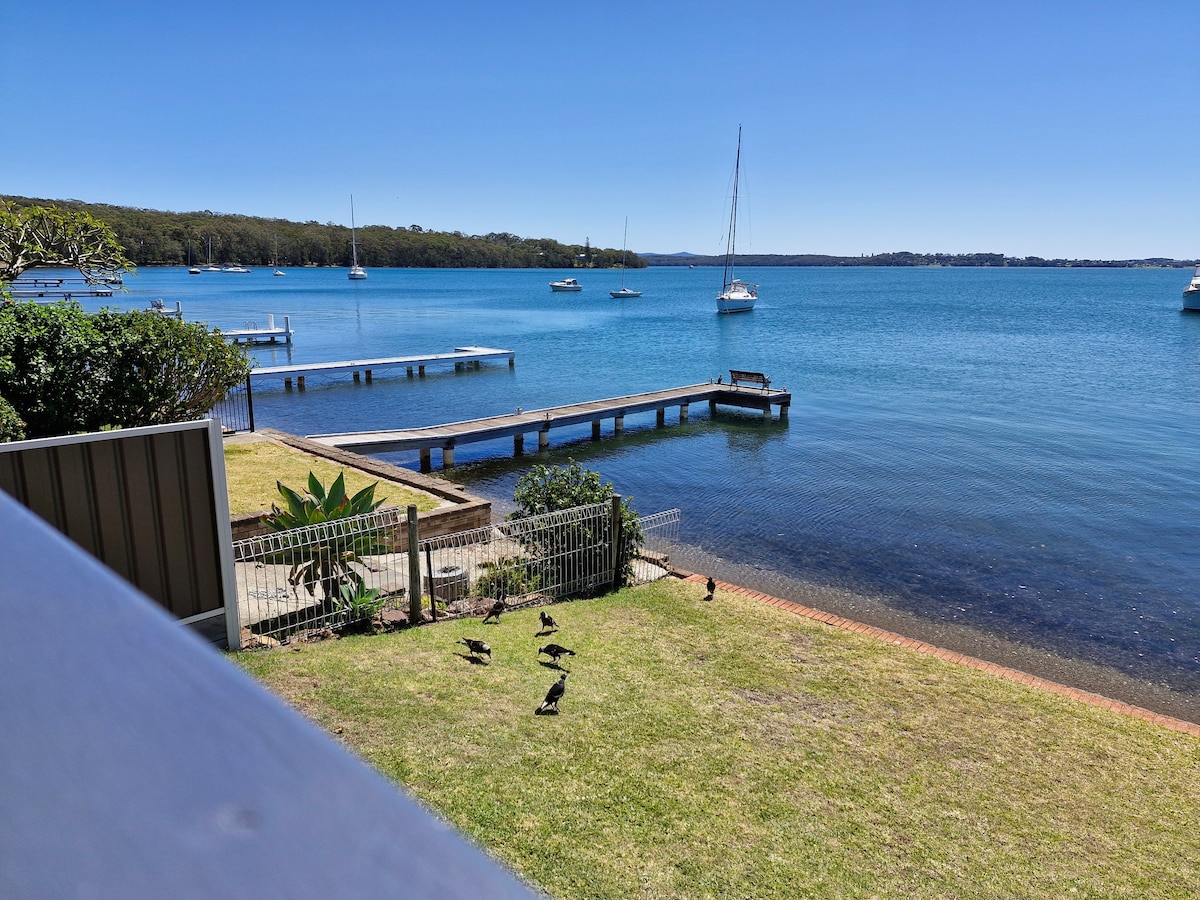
<point x="1007" y="457"/>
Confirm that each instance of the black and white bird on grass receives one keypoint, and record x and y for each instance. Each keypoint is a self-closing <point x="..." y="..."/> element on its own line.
<point x="494" y="613"/>
<point x="548" y="623"/>
<point x="553" y="696"/>
<point x="712" y="588"/>
<point x="477" y="647"/>
<point x="555" y="652"/>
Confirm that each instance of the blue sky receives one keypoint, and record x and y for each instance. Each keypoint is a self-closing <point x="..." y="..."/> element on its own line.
<point x="1057" y="129"/>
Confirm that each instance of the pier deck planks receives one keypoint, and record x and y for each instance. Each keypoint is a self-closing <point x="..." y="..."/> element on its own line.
<point x="541" y="421"/>
<point x="460" y="356"/>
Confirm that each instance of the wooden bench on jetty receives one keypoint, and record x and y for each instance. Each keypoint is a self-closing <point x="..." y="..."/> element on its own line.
<point x="517" y="425"/>
<point x="462" y="357"/>
<point x="738" y="377"/>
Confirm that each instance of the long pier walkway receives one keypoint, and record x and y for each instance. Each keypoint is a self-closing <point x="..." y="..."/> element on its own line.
<point x="517" y="425"/>
<point x="462" y="357"/>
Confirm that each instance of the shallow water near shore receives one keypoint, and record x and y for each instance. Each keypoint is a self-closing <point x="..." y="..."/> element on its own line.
<point x="1005" y="453"/>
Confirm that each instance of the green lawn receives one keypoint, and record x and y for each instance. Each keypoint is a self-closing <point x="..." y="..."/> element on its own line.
<point x="731" y="750"/>
<point x="252" y="469"/>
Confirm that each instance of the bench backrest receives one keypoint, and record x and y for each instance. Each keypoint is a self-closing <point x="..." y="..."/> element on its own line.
<point x="736" y="377"/>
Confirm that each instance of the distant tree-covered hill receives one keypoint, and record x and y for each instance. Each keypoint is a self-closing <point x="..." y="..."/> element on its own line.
<point x="906" y="259"/>
<point x="155" y="238"/>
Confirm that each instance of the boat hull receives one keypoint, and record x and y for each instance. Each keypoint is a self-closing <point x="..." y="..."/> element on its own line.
<point x="738" y="296"/>
<point x="735" y="304"/>
<point x="357" y="273"/>
<point x="622" y="294"/>
<point x="1191" y="300"/>
<point x="568" y="285"/>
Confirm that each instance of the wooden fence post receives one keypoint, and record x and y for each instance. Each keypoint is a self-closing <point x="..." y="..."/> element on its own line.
<point x="414" y="569"/>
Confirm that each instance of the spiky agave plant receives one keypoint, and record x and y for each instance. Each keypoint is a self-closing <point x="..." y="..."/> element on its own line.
<point x="325" y="556"/>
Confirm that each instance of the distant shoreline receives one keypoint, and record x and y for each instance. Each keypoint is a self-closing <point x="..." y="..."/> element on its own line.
<point x="917" y="260"/>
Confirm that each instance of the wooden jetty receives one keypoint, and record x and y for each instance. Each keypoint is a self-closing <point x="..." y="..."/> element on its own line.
<point x="462" y="357"/>
<point x="60" y="288"/>
<point x="269" y="335"/>
<point x="517" y="425"/>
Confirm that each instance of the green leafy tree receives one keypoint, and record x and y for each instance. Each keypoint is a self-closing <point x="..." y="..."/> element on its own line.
<point x="52" y="237"/>
<point x="66" y="371"/>
<point x="546" y="489"/>
<point x="11" y="426"/>
<point x="332" y="559"/>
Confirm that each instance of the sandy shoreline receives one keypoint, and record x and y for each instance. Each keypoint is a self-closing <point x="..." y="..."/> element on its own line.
<point x="874" y="610"/>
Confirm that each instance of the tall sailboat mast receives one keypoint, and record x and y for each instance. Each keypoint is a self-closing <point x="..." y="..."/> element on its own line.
<point x="736" y="295"/>
<point x="731" y="239"/>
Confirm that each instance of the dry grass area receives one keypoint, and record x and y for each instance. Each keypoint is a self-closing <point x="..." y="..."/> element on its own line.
<point x="729" y="750"/>
<point x="252" y="469"/>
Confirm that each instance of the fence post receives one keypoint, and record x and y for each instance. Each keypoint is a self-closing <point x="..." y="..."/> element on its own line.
<point x="249" y="403"/>
<point x="616" y="541"/>
<point x="414" y="568"/>
<point x="432" y="587"/>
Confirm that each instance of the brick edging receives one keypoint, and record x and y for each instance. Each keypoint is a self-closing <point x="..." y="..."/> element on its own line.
<point x="961" y="659"/>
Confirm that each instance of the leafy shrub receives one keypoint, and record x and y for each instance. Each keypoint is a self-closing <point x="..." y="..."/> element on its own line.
<point x="546" y="489"/>
<point x="11" y="426"/>
<point x="67" y="371"/>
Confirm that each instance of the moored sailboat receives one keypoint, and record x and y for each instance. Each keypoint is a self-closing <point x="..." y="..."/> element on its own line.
<point x="736" y="295"/>
<point x="624" y="291"/>
<point x="357" y="272"/>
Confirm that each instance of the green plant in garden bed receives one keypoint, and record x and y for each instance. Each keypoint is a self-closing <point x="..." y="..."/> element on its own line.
<point x="328" y="560"/>
<point x="509" y="575"/>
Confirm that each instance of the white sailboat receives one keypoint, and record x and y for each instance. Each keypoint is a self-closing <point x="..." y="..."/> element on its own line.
<point x="736" y="295"/>
<point x="277" y="271"/>
<point x="1191" y="293"/>
<point x="210" y="267"/>
<point x="624" y="291"/>
<point x="357" y="272"/>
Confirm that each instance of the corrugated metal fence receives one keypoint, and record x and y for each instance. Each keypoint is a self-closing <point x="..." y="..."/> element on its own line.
<point x="150" y="503"/>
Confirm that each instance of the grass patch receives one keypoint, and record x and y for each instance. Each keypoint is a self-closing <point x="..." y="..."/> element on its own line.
<point x="252" y="469"/>
<point x="728" y="749"/>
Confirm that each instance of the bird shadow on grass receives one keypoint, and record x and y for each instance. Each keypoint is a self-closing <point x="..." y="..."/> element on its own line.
<point x="545" y="631"/>
<point x="545" y="712"/>
<point x="552" y="665"/>
<point x="473" y="660"/>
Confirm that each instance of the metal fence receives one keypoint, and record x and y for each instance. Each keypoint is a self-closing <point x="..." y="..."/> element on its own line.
<point x="236" y="411"/>
<point x="356" y="569"/>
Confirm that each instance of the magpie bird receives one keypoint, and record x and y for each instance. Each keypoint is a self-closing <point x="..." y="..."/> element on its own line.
<point x="498" y="607"/>
<point x="547" y="621"/>
<point x="476" y="647"/>
<point x="554" y="651"/>
<point x="553" y="695"/>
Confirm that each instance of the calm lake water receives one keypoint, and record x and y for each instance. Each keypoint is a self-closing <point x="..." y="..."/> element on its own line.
<point x="1010" y="450"/>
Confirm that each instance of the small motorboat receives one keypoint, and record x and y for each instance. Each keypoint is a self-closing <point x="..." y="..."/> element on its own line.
<point x="1191" y="293"/>
<point x="567" y="284"/>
